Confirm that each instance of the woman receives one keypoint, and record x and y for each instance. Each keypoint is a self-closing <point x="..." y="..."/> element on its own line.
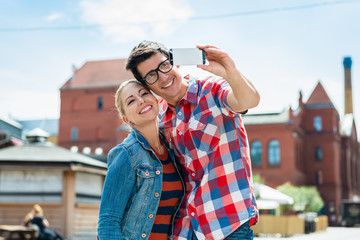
<point x="36" y="218"/>
<point x="143" y="188"/>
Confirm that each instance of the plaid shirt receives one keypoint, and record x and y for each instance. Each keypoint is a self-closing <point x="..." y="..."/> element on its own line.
<point x="211" y="144"/>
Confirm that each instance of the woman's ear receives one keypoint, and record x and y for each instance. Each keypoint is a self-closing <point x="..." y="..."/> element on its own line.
<point x="125" y="120"/>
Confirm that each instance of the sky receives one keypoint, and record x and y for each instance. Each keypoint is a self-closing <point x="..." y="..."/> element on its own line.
<point x="282" y="46"/>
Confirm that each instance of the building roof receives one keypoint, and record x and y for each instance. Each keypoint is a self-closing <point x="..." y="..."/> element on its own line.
<point x="319" y="96"/>
<point x="267" y="118"/>
<point x="38" y="132"/>
<point x="10" y="127"/>
<point x="46" y="153"/>
<point x="102" y="73"/>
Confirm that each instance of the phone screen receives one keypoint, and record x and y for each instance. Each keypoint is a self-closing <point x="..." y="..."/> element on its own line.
<point x="187" y="56"/>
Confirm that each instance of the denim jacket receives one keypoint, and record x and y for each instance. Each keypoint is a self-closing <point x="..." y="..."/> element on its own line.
<point x="130" y="190"/>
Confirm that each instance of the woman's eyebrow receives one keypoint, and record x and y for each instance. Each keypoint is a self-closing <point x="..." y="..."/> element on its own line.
<point x="128" y="97"/>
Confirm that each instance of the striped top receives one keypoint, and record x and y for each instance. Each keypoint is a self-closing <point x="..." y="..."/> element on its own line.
<point x="171" y="193"/>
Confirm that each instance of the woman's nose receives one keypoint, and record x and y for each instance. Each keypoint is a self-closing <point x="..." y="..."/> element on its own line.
<point x="141" y="100"/>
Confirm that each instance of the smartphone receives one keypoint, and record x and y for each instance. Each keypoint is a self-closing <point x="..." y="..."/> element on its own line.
<point x="187" y="56"/>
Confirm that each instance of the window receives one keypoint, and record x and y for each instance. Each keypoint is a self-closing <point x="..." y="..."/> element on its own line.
<point x="274" y="152"/>
<point x="99" y="133"/>
<point x="74" y="134"/>
<point x="318" y="178"/>
<point x="318" y="123"/>
<point x="100" y="103"/>
<point x="75" y="105"/>
<point x="256" y="151"/>
<point x="318" y="153"/>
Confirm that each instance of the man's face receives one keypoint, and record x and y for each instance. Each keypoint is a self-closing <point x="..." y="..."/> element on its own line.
<point x="170" y="85"/>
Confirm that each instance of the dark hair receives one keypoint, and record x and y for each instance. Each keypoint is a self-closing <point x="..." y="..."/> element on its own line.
<point x="141" y="53"/>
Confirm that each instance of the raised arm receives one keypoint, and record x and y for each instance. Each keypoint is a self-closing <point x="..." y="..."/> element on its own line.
<point x="243" y="94"/>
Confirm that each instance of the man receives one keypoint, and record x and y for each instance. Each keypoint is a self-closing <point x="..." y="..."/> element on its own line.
<point x="203" y="120"/>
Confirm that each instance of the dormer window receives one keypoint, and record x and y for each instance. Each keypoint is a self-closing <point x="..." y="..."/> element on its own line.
<point x="318" y="123"/>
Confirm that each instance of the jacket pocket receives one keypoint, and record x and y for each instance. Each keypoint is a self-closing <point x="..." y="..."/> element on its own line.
<point x="145" y="178"/>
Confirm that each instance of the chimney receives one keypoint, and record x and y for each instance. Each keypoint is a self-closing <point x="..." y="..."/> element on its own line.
<point x="348" y="103"/>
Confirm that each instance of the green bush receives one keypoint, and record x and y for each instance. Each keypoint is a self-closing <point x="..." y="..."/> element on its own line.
<point x="306" y="199"/>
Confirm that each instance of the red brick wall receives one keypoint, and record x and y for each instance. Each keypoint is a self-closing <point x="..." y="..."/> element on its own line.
<point x="96" y="128"/>
<point x="286" y="171"/>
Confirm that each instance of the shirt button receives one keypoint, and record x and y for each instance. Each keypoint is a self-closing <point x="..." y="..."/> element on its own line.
<point x="180" y="133"/>
<point x="193" y="174"/>
<point x="156" y="194"/>
<point x="157" y="172"/>
<point x="151" y="216"/>
<point x="143" y="235"/>
<point x="201" y="124"/>
<point x="192" y="214"/>
<point x="179" y="113"/>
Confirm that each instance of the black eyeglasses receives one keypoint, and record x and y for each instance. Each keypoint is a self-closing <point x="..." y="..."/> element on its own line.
<point x="153" y="75"/>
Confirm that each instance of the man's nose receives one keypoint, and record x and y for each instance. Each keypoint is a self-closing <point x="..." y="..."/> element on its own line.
<point x="162" y="76"/>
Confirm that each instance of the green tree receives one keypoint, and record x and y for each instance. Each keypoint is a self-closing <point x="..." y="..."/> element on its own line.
<point x="258" y="179"/>
<point x="306" y="198"/>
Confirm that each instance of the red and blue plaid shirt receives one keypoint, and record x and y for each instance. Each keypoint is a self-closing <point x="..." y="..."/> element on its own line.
<point x="211" y="144"/>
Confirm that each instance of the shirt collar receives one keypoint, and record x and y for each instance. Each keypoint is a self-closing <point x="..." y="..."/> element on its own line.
<point x="192" y="90"/>
<point x="189" y="96"/>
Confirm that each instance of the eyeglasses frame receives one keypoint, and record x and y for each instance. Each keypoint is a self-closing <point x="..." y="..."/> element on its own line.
<point x="158" y="70"/>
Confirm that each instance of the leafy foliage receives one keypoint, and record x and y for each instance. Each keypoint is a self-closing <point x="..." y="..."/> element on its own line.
<point x="257" y="179"/>
<point x="306" y="199"/>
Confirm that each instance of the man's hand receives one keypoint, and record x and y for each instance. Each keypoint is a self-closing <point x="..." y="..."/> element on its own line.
<point x="220" y="62"/>
<point x="243" y="94"/>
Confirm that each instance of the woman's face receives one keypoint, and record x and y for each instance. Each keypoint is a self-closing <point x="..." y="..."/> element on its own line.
<point x="139" y="105"/>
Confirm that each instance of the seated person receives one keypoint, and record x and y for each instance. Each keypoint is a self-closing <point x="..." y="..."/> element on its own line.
<point x="36" y="218"/>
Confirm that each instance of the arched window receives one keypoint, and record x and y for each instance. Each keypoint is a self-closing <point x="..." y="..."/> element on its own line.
<point x="274" y="152"/>
<point x="100" y="103"/>
<point x="318" y="123"/>
<point x="318" y="154"/>
<point x="256" y="152"/>
<point x="74" y="134"/>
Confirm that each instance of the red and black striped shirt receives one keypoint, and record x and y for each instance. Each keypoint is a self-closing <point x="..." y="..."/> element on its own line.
<point x="172" y="190"/>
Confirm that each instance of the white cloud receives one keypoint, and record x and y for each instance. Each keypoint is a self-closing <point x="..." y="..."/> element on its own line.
<point x="23" y="104"/>
<point x="125" y="20"/>
<point x="54" y="16"/>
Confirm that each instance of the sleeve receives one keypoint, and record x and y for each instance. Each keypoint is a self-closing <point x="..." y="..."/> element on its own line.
<point x="220" y="89"/>
<point x="119" y="182"/>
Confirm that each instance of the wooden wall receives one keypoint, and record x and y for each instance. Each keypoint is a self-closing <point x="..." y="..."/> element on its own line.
<point x="85" y="224"/>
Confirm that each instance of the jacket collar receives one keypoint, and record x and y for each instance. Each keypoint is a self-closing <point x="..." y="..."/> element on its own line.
<point x="145" y="144"/>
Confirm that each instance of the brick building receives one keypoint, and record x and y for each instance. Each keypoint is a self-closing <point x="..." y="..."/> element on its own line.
<point x="89" y="121"/>
<point x="308" y="146"/>
<point x="311" y="145"/>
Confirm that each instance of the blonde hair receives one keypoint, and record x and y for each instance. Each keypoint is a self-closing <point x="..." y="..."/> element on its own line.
<point x="118" y="102"/>
<point x="35" y="210"/>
